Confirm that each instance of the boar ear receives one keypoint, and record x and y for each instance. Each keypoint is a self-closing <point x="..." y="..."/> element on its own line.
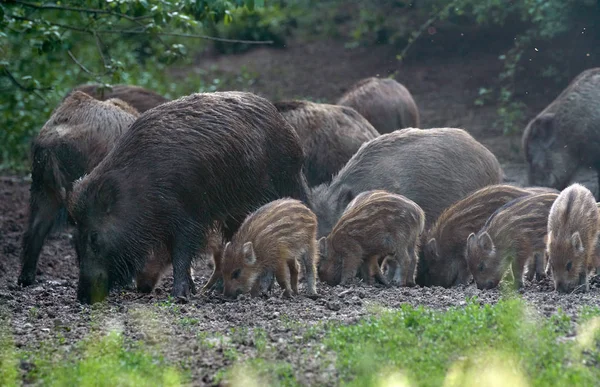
<point x="472" y="238"/>
<point x="107" y="196"/>
<point x="576" y="242"/>
<point x="249" y="255"/>
<point x="485" y="242"/>
<point x="323" y="248"/>
<point x="346" y="197"/>
<point x="432" y="247"/>
<point x="542" y="129"/>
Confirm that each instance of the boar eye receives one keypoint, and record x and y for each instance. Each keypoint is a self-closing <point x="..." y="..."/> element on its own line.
<point x="481" y="267"/>
<point x="236" y="274"/>
<point x="569" y="266"/>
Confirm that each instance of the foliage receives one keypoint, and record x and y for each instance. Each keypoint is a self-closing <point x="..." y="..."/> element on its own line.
<point x="432" y="347"/>
<point x="272" y="23"/>
<point x="48" y="48"/>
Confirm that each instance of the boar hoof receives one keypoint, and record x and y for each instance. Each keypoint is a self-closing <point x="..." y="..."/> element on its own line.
<point x="26" y="279"/>
<point x="313" y="296"/>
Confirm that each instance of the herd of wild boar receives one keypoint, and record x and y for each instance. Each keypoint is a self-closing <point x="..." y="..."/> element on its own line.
<point x="296" y="190"/>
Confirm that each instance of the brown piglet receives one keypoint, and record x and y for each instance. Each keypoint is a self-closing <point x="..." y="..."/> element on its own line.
<point x="513" y="235"/>
<point x="376" y="226"/>
<point x="273" y="238"/>
<point x="572" y="238"/>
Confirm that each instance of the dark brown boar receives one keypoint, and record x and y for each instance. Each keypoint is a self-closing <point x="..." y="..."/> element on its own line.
<point x="330" y="135"/>
<point x="274" y="238"/>
<point x="513" y="235"/>
<point x="444" y="251"/>
<point x="566" y="134"/>
<point x="140" y="98"/>
<point x="376" y="225"/>
<point x="182" y="166"/>
<point x="572" y="238"/>
<point x="384" y="102"/>
<point x="77" y="136"/>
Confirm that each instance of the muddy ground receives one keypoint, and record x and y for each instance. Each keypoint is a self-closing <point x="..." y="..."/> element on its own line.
<point x="199" y="334"/>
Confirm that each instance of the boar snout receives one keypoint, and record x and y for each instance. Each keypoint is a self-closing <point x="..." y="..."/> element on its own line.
<point x="92" y="287"/>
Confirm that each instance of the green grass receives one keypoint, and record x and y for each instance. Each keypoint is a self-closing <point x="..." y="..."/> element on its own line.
<point x="434" y="348"/>
<point x="98" y="360"/>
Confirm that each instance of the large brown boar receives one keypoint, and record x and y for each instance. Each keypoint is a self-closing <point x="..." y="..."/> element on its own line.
<point x="384" y="102"/>
<point x="512" y="236"/>
<point x="330" y="135"/>
<point x="76" y="137"/>
<point x="564" y="136"/>
<point x="182" y="166"/>
<point x="572" y="238"/>
<point x="435" y="168"/>
<point x="444" y="251"/>
<point x="274" y="238"/>
<point x="376" y="225"/>
<point x="140" y="98"/>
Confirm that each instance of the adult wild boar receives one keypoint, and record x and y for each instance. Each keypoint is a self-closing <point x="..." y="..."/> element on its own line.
<point x="330" y="135"/>
<point x="200" y="159"/>
<point x="433" y="167"/>
<point x="76" y="137"/>
<point x="565" y="135"/>
<point x="140" y="98"/>
<point x="384" y="102"/>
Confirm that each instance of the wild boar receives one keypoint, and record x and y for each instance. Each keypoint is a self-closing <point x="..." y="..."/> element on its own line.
<point x="435" y="168"/>
<point x="444" y="251"/>
<point x="511" y="236"/>
<point x="76" y="137"/>
<point x="330" y="135"/>
<point x="273" y="238"/>
<point x="384" y="102"/>
<point x="376" y="225"/>
<point x="572" y="238"/>
<point x="140" y="98"/>
<point x="182" y="166"/>
<point x="564" y="136"/>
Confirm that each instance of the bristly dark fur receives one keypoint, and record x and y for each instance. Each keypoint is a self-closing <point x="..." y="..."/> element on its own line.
<point x="140" y="98"/>
<point x="182" y="166"/>
<point x="384" y="102"/>
<point x="77" y="136"/>
<point x="565" y="136"/>
<point x="330" y="136"/>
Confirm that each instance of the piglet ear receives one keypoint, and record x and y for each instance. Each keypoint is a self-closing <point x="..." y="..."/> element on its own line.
<point x="576" y="242"/>
<point x="432" y="247"/>
<point x="485" y="242"/>
<point x="249" y="255"/>
<point x="472" y="238"/>
<point x="323" y="248"/>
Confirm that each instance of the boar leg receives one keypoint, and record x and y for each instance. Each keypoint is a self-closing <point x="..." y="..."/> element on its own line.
<point x="182" y="252"/>
<point x="374" y="271"/>
<point x="156" y="263"/>
<point x="518" y="266"/>
<point x="411" y="272"/>
<point x="531" y="269"/>
<point x="215" y="276"/>
<point x="281" y="275"/>
<point x="309" y="259"/>
<point x="583" y="282"/>
<point x="540" y="265"/>
<point x="294" y="269"/>
<point x="391" y="264"/>
<point x="43" y="212"/>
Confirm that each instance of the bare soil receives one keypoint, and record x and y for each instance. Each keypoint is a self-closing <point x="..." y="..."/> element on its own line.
<point x="198" y="334"/>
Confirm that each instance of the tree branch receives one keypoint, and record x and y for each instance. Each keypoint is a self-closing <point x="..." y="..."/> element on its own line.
<point x="137" y="32"/>
<point x="77" y="9"/>
<point x="79" y="63"/>
<point x="15" y="82"/>
<point x="142" y="32"/>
